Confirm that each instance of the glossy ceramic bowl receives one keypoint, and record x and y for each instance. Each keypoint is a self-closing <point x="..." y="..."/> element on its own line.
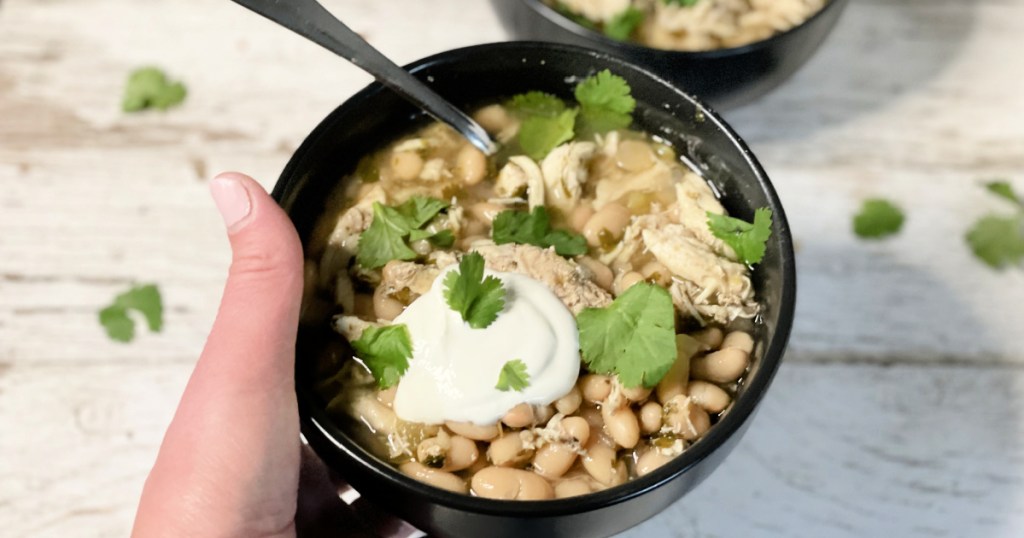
<point x="722" y="77"/>
<point x="483" y="74"/>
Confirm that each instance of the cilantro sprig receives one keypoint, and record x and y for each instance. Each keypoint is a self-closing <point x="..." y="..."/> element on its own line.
<point x="547" y="122"/>
<point x="149" y="87"/>
<point x="144" y="299"/>
<point x="746" y="239"/>
<point x="877" y="218"/>
<point x="513" y="376"/>
<point x="392" y="228"/>
<point x="534" y="228"/>
<point x="476" y="298"/>
<point x="621" y="26"/>
<point x="634" y="337"/>
<point x="683" y="3"/>
<point x="998" y="240"/>
<point x="386" y="352"/>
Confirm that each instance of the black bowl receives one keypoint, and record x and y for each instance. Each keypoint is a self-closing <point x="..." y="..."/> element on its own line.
<point x="482" y="74"/>
<point x="723" y="77"/>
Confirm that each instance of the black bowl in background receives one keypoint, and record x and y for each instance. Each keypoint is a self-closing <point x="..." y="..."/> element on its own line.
<point x="723" y="77"/>
<point x="482" y="74"/>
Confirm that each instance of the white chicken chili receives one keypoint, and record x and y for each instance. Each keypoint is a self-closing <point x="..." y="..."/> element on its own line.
<point x="553" y="321"/>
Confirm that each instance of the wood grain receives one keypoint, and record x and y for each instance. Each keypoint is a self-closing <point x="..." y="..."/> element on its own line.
<point x="866" y="431"/>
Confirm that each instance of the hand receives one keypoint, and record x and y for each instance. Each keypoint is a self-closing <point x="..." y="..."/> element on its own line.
<point x="229" y="464"/>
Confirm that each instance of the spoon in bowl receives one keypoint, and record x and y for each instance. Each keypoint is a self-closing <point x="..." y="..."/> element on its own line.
<point x="311" y="20"/>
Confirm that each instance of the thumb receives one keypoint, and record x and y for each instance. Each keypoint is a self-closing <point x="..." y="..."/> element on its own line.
<point x="229" y="462"/>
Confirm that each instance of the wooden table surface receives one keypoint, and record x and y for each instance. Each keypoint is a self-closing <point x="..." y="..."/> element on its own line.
<point x="899" y="410"/>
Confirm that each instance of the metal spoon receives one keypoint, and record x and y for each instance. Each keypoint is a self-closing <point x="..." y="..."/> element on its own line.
<point x="311" y="20"/>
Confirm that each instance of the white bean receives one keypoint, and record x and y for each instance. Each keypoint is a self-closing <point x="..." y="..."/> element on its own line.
<point x="493" y="118"/>
<point x="650" y="460"/>
<point x="723" y="366"/>
<point x="572" y="487"/>
<point x="599" y="462"/>
<point x="553" y="460"/>
<point x="519" y="416"/>
<point x="406" y="165"/>
<point x="485" y="211"/>
<point x="508" y="484"/>
<point x="473" y="431"/>
<point x="580" y="215"/>
<point x="434" y="477"/>
<point x="711" y="397"/>
<point x="709" y="337"/>
<point x="739" y="340"/>
<point x="602" y="274"/>
<point x="622" y="426"/>
<point x="650" y="418"/>
<point x="625" y="281"/>
<point x="569" y="403"/>
<point x="470" y="165"/>
<point x="656" y="272"/>
<point x="595" y="387"/>
<point x="509" y="451"/>
<point x="674" y="382"/>
<point x="606" y="226"/>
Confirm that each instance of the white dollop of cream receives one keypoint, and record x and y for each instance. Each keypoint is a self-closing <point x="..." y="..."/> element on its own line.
<point x="454" y="367"/>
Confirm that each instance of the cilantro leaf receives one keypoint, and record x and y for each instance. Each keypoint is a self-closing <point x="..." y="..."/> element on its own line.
<point x="536" y="104"/>
<point x="683" y="3"/>
<point x="621" y="26"/>
<point x="535" y="229"/>
<point x="748" y="240"/>
<point x="998" y="241"/>
<point x="477" y="299"/>
<point x="391" y="227"/>
<point x="1004" y="190"/>
<point x="418" y="210"/>
<point x="144" y="299"/>
<point x="538" y="135"/>
<point x="386" y="352"/>
<point x="149" y="87"/>
<point x="513" y="376"/>
<point x="384" y="240"/>
<point x="605" y="102"/>
<point x="877" y="218"/>
<point x="634" y="337"/>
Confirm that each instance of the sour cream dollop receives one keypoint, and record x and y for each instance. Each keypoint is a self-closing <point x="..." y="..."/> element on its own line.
<point x="454" y="367"/>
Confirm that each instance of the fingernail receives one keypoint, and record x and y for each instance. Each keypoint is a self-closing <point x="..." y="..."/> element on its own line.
<point x="231" y="198"/>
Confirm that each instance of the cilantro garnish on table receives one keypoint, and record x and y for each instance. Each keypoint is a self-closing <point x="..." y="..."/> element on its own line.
<point x="149" y="87"/>
<point x="746" y="239"/>
<point x="634" y="337"/>
<point x="547" y="122"/>
<point x="386" y="352"/>
<point x="476" y="298"/>
<point x="144" y="299"/>
<point x="513" y="376"/>
<point x="998" y="240"/>
<point x="877" y="218"/>
<point x="534" y="228"/>
<point x="392" y="228"/>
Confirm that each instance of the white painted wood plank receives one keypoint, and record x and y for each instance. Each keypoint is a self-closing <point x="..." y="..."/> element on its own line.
<point x="836" y="450"/>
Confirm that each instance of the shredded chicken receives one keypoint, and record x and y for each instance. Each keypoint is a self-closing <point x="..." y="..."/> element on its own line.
<point x="521" y="175"/>
<point x="351" y="327"/>
<point x="657" y="178"/>
<point x="716" y="287"/>
<point x="341" y="247"/>
<point x="694" y="200"/>
<point x="569" y="281"/>
<point x="565" y="172"/>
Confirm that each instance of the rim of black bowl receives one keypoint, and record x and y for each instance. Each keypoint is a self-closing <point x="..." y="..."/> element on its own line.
<point x="753" y="391"/>
<point x="569" y="25"/>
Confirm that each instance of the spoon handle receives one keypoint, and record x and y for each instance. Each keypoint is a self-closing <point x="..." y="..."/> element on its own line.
<point x="311" y="20"/>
